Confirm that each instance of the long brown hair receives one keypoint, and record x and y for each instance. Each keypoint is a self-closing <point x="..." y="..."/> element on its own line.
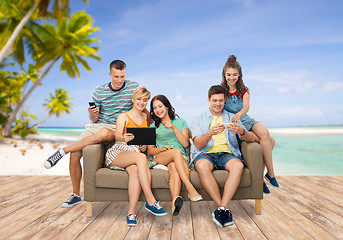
<point x="233" y="63"/>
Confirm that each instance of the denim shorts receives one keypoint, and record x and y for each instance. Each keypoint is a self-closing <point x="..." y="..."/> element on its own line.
<point x="219" y="160"/>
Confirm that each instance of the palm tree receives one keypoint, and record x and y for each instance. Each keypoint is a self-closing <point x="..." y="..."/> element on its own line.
<point x="68" y="41"/>
<point x="56" y="104"/>
<point x="60" y="11"/>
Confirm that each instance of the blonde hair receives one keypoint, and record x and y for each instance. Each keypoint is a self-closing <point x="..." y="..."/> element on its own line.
<point x="141" y="92"/>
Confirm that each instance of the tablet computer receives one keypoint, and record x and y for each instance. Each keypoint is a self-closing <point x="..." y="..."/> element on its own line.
<point x="143" y="135"/>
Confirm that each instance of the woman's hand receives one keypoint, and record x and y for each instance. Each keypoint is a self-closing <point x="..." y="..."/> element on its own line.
<point x="166" y="148"/>
<point x="168" y="124"/>
<point x="236" y="118"/>
<point x="128" y="137"/>
<point x="142" y="148"/>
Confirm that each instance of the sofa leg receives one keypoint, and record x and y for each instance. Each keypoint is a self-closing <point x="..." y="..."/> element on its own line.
<point x="258" y="205"/>
<point x="89" y="209"/>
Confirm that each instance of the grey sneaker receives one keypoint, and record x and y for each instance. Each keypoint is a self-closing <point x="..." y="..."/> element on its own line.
<point x="72" y="201"/>
<point x="53" y="159"/>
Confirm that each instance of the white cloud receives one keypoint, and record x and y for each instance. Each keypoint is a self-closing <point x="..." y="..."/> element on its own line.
<point x="298" y="112"/>
<point x="179" y="98"/>
<point x="284" y="90"/>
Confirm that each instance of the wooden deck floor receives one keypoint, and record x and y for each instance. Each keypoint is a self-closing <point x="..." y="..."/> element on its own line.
<point x="303" y="208"/>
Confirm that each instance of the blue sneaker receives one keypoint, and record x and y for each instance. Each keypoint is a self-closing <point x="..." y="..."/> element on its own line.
<point x="131" y="220"/>
<point x="228" y="221"/>
<point x="155" y="209"/>
<point x="218" y="216"/>
<point x="53" y="159"/>
<point x="272" y="181"/>
<point x="265" y="188"/>
<point x="72" y="201"/>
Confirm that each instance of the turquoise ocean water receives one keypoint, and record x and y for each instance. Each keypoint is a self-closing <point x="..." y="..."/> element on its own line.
<point x="294" y="154"/>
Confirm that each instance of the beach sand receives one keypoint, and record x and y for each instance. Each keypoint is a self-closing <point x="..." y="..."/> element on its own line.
<point x="26" y="157"/>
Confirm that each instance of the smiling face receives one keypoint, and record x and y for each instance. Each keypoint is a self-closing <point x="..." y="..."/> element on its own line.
<point x="159" y="109"/>
<point x="217" y="102"/>
<point x="117" y="78"/>
<point x="232" y="76"/>
<point x="140" y="102"/>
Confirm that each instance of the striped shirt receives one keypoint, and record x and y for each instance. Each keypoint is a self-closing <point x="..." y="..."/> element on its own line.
<point x="113" y="102"/>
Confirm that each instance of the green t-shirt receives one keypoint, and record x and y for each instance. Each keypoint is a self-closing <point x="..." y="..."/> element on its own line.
<point x="166" y="136"/>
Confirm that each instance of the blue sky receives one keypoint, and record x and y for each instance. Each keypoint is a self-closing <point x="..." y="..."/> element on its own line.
<point x="290" y="52"/>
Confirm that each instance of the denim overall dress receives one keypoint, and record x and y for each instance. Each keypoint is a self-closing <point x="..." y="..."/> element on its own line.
<point x="234" y="105"/>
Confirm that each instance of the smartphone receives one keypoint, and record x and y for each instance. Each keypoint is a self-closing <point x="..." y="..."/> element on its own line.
<point x="92" y="105"/>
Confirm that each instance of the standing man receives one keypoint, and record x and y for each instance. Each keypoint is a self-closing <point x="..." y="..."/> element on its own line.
<point x="110" y="99"/>
<point x="216" y="147"/>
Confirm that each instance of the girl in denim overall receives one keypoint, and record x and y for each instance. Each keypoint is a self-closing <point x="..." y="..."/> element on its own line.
<point x="237" y="102"/>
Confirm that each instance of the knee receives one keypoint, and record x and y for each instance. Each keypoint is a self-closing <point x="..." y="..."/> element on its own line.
<point x="176" y="152"/>
<point x="141" y="159"/>
<point x="75" y="156"/>
<point x="132" y="171"/>
<point x="171" y="168"/>
<point x="236" y="166"/>
<point x="202" y="167"/>
<point x="104" y="134"/>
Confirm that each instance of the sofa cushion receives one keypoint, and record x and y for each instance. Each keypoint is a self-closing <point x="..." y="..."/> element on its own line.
<point x="106" y="178"/>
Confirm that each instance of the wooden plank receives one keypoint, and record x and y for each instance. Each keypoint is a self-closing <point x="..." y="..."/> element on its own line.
<point x="16" y="211"/>
<point x="333" y="183"/>
<point x="32" y="212"/>
<point x="119" y="228"/>
<point x="51" y="222"/>
<point x="230" y="232"/>
<point x="244" y="223"/>
<point x="182" y="227"/>
<point x="75" y="228"/>
<point x="323" y="217"/>
<point x="22" y="198"/>
<point x="310" y="227"/>
<point x="203" y="225"/>
<point x="144" y="222"/>
<point x="100" y="225"/>
<point x="271" y="227"/>
<point x="161" y="227"/>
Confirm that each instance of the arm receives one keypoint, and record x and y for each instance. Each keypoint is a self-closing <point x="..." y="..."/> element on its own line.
<point x="245" y="109"/>
<point x="121" y="122"/>
<point x="182" y="137"/>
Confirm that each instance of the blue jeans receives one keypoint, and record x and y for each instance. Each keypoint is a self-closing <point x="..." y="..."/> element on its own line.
<point x="219" y="160"/>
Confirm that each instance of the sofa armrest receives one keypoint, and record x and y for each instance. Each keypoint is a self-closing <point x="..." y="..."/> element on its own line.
<point x="93" y="159"/>
<point x="253" y="157"/>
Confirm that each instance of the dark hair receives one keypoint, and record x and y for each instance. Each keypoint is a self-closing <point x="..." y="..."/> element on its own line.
<point x="166" y="103"/>
<point x="117" y="64"/>
<point x="233" y="63"/>
<point x="215" y="89"/>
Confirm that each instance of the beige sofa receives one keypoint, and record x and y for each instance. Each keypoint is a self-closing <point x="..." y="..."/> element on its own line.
<point x="105" y="185"/>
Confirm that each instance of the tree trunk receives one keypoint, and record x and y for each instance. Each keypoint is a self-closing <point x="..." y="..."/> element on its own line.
<point x="41" y="122"/>
<point x="11" y="119"/>
<point x="16" y="31"/>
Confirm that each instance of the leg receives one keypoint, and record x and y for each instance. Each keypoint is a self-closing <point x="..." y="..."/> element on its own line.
<point x="235" y="167"/>
<point x="267" y="144"/>
<point x="204" y="167"/>
<point x="258" y="206"/>
<point x="176" y="156"/>
<point x="104" y="135"/>
<point x="174" y="181"/>
<point x="125" y="159"/>
<point x="75" y="171"/>
<point x="89" y="212"/>
<point x="134" y="188"/>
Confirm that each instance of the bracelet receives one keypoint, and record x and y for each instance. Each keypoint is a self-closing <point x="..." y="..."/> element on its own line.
<point x="243" y="132"/>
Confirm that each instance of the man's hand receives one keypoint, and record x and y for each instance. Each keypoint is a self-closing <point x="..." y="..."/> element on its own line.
<point x="93" y="113"/>
<point x="216" y="129"/>
<point x="233" y="127"/>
